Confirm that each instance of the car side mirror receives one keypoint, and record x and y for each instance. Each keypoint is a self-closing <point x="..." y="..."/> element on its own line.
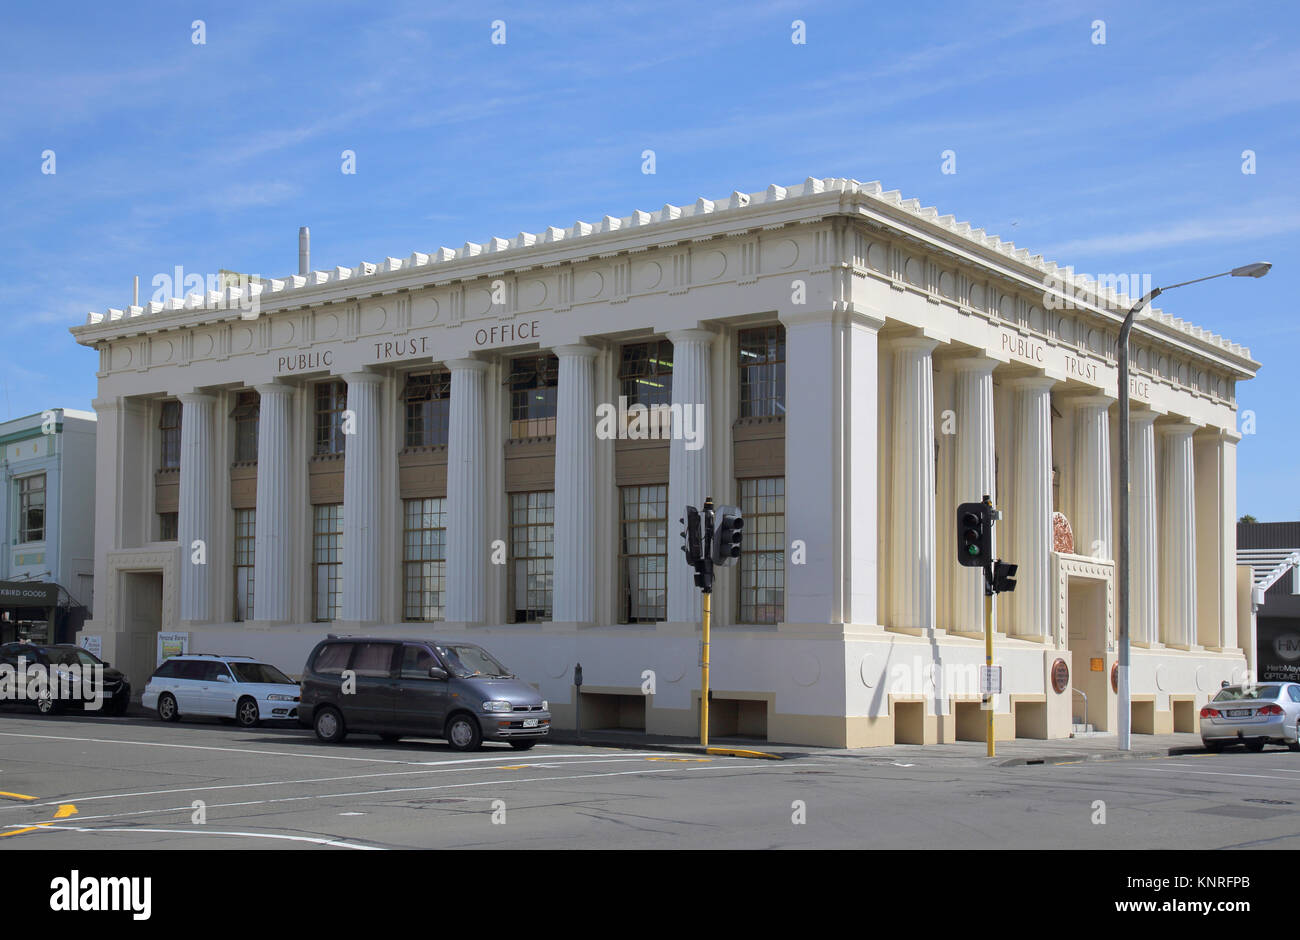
<point x="437" y="672"/>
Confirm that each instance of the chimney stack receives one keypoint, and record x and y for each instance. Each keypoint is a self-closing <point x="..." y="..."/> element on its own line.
<point x="135" y="292"/>
<point x="304" y="250"/>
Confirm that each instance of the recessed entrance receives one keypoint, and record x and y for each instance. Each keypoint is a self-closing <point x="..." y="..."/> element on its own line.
<point x="141" y="618"/>
<point x="604" y="711"/>
<point x="737" y="718"/>
<point x="1086" y="615"/>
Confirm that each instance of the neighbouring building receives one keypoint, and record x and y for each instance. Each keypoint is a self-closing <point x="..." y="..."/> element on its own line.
<point x="48" y="519"/>
<point x="412" y="447"/>
<point x="1272" y="552"/>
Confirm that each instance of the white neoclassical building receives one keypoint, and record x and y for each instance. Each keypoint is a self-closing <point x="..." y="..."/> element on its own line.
<point x="410" y="448"/>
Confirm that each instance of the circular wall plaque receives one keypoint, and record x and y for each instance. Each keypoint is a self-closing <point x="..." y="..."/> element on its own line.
<point x="1060" y="676"/>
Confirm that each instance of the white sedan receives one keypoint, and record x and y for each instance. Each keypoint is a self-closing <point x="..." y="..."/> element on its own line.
<point x="232" y="687"/>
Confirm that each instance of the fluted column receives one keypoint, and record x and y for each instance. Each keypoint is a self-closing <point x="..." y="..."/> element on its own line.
<point x="974" y="477"/>
<point x="1030" y="508"/>
<point x="194" y="516"/>
<point x="575" y="459"/>
<point x="361" y="489"/>
<point x="912" y="594"/>
<point x="688" y="470"/>
<point x="1178" y="536"/>
<point x="1144" y="551"/>
<point x="273" y="535"/>
<point x="1093" y="513"/>
<point x="467" y="554"/>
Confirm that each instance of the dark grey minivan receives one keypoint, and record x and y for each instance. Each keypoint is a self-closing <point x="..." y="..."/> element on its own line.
<point x="418" y="688"/>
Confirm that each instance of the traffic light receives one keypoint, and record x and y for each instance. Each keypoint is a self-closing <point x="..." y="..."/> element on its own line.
<point x="1004" y="576"/>
<point x="692" y="536"/>
<point x="974" y="535"/>
<point x="728" y="531"/>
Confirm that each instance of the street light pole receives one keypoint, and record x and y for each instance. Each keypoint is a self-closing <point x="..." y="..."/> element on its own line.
<point x="1125" y="706"/>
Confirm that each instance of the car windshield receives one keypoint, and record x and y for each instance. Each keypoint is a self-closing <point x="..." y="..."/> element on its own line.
<point x="465" y="661"/>
<point x="69" y="657"/>
<point x="259" y="672"/>
<point x="1236" y="693"/>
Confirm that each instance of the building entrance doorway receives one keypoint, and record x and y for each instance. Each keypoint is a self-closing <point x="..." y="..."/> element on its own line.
<point x="1086" y="616"/>
<point x="142" y="615"/>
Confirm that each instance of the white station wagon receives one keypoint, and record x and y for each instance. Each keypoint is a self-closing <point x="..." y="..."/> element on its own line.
<point x="232" y="687"/>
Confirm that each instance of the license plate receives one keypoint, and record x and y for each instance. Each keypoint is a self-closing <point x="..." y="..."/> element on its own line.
<point x="1239" y="713"/>
<point x="530" y="722"/>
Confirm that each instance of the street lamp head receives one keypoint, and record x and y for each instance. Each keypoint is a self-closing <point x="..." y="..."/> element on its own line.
<point x="1258" y="269"/>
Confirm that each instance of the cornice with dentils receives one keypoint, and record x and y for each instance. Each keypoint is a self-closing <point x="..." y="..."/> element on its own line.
<point x="808" y="201"/>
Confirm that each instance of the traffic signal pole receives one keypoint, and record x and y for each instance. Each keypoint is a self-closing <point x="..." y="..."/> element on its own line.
<point x="705" y="572"/>
<point x="988" y="653"/>
<point x="704" y="674"/>
<point x="975" y="523"/>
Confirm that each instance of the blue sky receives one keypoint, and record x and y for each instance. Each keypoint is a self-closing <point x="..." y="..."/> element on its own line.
<point x="1117" y="157"/>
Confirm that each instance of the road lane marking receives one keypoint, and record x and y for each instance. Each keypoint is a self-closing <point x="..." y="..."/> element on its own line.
<point x="327" y="796"/>
<point x="454" y="768"/>
<point x="16" y="796"/>
<point x="244" y="750"/>
<point x="1217" y="773"/>
<point x="18" y="832"/>
<point x="215" y="832"/>
<point x="65" y="810"/>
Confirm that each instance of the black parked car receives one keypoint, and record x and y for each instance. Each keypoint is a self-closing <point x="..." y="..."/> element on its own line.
<point x="69" y="678"/>
<point x="418" y="688"/>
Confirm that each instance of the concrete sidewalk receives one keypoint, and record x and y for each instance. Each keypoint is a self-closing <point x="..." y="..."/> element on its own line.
<point x="1021" y="751"/>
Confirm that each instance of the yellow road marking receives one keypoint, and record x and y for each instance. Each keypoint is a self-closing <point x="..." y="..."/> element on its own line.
<point x="742" y="752"/>
<point x="65" y="810"/>
<point x="18" y="832"/>
<point x="514" y="767"/>
<point x="16" y="796"/>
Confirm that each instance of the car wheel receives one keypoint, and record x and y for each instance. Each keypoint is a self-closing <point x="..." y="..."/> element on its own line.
<point x="46" y="705"/>
<point x="390" y="738"/>
<point x="463" y="733"/>
<point x="167" y="709"/>
<point x="522" y="745"/>
<point x="329" y="725"/>
<point x="119" y="707"/>
<point x="246" y="713"/>
<point x="1256" y="746"/>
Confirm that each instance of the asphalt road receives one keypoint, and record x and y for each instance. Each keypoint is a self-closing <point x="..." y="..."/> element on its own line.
<point x="101" y="783"/>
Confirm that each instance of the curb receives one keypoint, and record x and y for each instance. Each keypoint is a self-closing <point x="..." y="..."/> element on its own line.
<point x="583" y="741"/>
<point x="1102" y="757"/>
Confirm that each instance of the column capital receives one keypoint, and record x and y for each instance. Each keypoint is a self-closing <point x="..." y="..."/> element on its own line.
<point x="1179" y="428"/>
<point x="467" y="365"/>
<point x="112" y="403"/>
<point x="1091" y="399"/>
<point x="691" y="336"/>
<point x="922" y="344"/>
<point x="1142" y="416"/>
<point x="579" y="350"/>
<point x="195" y="397"/>
<point x="975" y="363"/>
<point x="1033" y="382"/>
<point x="272" y="388"/>
<point x="362" y="378"/>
